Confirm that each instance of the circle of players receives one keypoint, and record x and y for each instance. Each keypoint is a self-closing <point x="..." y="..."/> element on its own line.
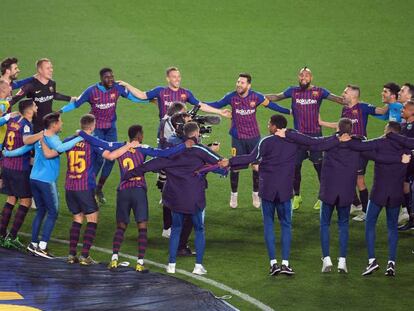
<point x="182" y="162"/>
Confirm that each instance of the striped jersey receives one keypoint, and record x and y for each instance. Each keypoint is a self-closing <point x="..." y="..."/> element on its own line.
<point x="166" y="96"/>
<point x="17" y="128"/>
<point x="103" y="103"/>
<point x="305" y="107"/>
<point x="135" y="157"/>
<point x="359" y="116"/>
<point x="243" y="122"/>
<point x="80" y="174"/>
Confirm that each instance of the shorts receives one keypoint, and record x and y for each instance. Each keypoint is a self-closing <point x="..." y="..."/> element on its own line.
<point x="81" y="202"/>
<point x="243" y="146"/>
<point x="16" y="183"/>
<point x="134" y="199"/>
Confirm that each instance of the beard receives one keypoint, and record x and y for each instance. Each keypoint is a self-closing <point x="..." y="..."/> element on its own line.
<point x="304" y="86"/>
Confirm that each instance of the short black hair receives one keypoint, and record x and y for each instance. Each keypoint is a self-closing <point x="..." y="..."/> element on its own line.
<point x="190" y="128"/>
<point x="87" y="120"/>
<point x="355" y="88"/>
<point x="279" y="121"/>
<point x="393" y="87"/>
<point x="174" y="108"/>
<point x="50" y="119"/>
<point x="7" y="63"/>
<point x="410" y="88"/>
<point x="247" y="76"/>
<point x="394" y="127"/>
<point x="178" y="118"/>
<point x="104" y="70"/>
<point x="134" y="131"/>
<point x="345" y="126"/>
<point x="25" y="104"/>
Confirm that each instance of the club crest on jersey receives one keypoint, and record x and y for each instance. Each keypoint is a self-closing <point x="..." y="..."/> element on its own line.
<point x="252" y="104"/>
<point x="183" y="97"/>
<point x="354" y="111"/>
<point x="51" y="89"/>
<point x="113" y="96"/>
<point x="315" y="93"/>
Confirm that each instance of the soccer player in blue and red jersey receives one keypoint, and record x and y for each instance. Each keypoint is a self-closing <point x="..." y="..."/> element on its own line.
<point x="9" y="72"/>
<point x="16" y="171"/>
<point x="103" y="98"/>
<point x="132" y="193"/>
<point x="244" y="129"/>
<point x="173" y="92"/>
<point x="306" y="102"/>
<point x="80" y="187"/>
<point x="358" y="113"/>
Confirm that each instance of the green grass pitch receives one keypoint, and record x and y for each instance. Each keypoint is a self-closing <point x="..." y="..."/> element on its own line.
<point x="367" y="43"/>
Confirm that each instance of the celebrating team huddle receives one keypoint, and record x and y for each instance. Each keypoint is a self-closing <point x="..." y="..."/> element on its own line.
<point x="31" y="150"/>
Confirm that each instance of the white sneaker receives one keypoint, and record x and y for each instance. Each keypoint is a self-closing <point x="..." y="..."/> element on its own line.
<point x="171" y="268"/>
<point x="326" y="264"/>
<point x="166" y="233"/>
<point x="233" y="200"/>
<point x="361" y="217"/>
<point x="403" y="217"/>
<point x="355" y="210"/>
<point x="256" y="199"/>
<point x="342" y="265"/>
<point x="199" y="269"/>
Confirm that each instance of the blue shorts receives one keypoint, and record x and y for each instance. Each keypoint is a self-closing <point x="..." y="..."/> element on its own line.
<point x="243" y="146"/>
<point x="81" y="202"/>
<point x="134" y="199"/>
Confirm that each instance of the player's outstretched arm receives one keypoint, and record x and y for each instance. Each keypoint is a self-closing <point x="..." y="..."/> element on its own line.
<point x="135" y="91"/>
<point x="404" y="141"/>
<point x="332" y="125"/>
<point x="222" y="112"/>
<point x="97" y="142"/>
<point x="336" y="99"/>
<point x="276" y="97"/>
<point x="76" y="102"/>
<point x="113" y="155"/>
<point x="162" y="153"/>
<point x="47" y="152"/>
<point x="21" y="83"/>
<point x="56" y="144"/>
<point x="17" y="152"/>
<point x="31" y="139"/>
<point x="380" y="157"/>
<point x="4" y="119"/>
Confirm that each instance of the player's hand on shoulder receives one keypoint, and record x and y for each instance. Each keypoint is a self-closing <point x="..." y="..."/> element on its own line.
<point x="134" y="144"/>
<point x="223" y="163"/>
<point x="14" y="114"/>
<point x="189" y="143"/>
<point x="122" y="83"/>
<point x="344" y="137"/>
<point x="406" y="158"/>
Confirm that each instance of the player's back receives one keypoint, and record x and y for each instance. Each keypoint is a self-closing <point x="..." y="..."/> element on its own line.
<point x="128" y="161"/>
<point x="80" y="174"/>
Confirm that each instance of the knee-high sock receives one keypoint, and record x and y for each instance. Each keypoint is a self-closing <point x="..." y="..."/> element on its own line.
<point x="234" y="181"/>
<point x="5" y="218"/>
<point x="118" y="239"/>
<point x="142" y="242"/>
<point x="88" y="237"/>
<point x="74" y="237"/>
<point x="363" y="196"/>
<point x="255" y="176"/>
<point x="18" y="220"/>
<point x="297" y="179"/>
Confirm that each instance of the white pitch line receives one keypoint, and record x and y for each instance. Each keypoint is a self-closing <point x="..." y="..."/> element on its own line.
<point x="203" y="279"/>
